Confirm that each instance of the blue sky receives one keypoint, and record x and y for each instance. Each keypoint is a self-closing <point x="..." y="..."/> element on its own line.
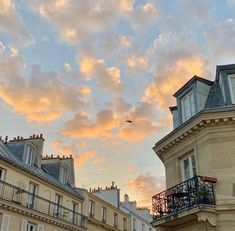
<point x="77" y="70"/>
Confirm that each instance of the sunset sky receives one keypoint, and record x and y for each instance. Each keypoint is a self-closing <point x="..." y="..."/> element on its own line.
<point x="76" y="70"/>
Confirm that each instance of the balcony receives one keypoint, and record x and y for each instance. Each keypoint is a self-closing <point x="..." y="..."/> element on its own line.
<point x="193" y="193"/>
<point x="22" y="198"/>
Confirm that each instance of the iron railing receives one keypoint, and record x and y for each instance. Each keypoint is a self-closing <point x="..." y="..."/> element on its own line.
<point x="193" y="192"/>
<point x="31" y="201"/>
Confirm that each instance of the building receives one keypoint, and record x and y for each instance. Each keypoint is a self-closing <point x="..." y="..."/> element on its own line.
<point x="199" y="157"/>
<point x="102" y="215"/>
<point x="35" y="195"/>
<point x="139" y="218"/>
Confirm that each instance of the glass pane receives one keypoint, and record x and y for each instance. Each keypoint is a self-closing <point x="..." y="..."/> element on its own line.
<point x="186" y="169"/>
<point x="192" y="104"/>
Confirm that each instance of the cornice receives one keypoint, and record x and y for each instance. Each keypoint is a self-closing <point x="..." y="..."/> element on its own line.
<point x="201" y="122"/>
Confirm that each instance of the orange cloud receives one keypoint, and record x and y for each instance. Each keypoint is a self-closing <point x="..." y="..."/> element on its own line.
<point x="83" y="158"/>
<point x="135" y="61"/>
<point x="160" y="91"/>
<point x="137" y="131"/>
<point x="37" y="98"/>
<point x="145" y="186"/>
<point x="80" y="127"/>
<point x="90" y="157"/>
<point x="108" y="77"/>
<point x="110" y="125"/>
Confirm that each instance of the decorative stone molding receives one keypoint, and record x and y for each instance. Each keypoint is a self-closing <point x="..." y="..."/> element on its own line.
<point x="206" y="217"/>
<point x="193" y="130"/>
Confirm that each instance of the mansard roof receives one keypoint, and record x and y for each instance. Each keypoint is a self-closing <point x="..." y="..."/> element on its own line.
<point x="192" y="80"/>
<point x="40" y="172"/>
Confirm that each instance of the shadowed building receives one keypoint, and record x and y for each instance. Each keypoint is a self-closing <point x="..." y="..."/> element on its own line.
<point x="199" y="157"/>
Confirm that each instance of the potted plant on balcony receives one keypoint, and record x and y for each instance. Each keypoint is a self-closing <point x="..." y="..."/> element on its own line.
<point x="203" y="195"/>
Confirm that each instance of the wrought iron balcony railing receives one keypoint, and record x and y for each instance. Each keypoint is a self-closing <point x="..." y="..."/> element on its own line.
<point x="191" y="193"/>
<point x="31" y="201"/>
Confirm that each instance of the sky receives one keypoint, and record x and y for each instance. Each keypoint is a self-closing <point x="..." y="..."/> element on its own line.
<point x="77" y="70"/>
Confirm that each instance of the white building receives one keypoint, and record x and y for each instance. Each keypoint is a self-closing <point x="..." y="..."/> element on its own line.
<point x="140" y="217"/>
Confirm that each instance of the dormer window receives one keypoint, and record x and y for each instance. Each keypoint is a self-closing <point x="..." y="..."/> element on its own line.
<point x="188" y="106"/>
<point x="63" y="175"/>
<point x="29" y="155"/>
<point x="231" y="78"/>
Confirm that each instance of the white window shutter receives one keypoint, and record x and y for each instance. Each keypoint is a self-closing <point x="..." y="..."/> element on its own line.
<point x="24" y="225"/>
<point x="40" y="227"/>
<point x="5" y="222"/>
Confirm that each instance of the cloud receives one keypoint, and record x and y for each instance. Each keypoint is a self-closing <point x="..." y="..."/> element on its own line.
<point x="220" y="41"/>
<point x="167" y="81"/>
<point x="144" y="16"/>
<point x="76" y="20"/>
<point x="79" y="125"/>
<point x="110" y="123"/>
<point x="90" y="157"/>
<point x="12" y="23"/>
<point x="83" y="158"/>
<point x="145" y="186"/>
<point x="36" y="98"/>
<point x="196" y="10"/>
<point x="108" y="77"/>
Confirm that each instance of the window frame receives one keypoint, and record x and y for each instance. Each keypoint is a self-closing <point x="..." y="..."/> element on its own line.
<point x="63" y="174"/>
<point x="191" y="110"/>
<point x="232" y="94"/>
<point x="104" y="214"/>
<point x="192" y="166"/>
<point x="115" y="219"/>
<point x="29" y="155"/>
<point x="33" y="189"/>
<point x="91" y="208"/>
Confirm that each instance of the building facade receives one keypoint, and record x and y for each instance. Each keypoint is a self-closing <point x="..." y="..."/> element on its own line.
<point x="199" y="157"/>
<point x="138" y="218"/>
<point x="31" y="199"/>
<point x="103" y="215"/>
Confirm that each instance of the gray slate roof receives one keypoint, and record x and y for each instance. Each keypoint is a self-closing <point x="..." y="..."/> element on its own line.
<point x="215" y="97"/>
<point x="8" y="156"/>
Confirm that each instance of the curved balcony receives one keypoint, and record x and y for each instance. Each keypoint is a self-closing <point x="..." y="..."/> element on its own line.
<point x="189" y="194"/>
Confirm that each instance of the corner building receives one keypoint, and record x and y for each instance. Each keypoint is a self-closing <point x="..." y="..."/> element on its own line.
<point x="199" y="157"/>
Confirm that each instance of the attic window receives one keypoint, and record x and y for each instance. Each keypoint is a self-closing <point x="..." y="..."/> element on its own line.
<point x="29" y="155"/>
<point x="232" y="87"/>
<point x="63" y="175"/>
<point x="188" y="106"/>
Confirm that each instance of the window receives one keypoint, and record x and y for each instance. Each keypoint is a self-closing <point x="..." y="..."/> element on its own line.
<point x="75" y="213"/>
<point x="63" y="175"/>
<point x="29" y="155"/>
<point x="31" y="196"/>
<point x="2" y="178"/>
<point x="92" y="208"/>
<point x="31" y="227"/>
<point x="104" y="214"/>
<point x="115" y="219"/>
<point x="232" y="87"/>
<point x="143" y="227"/>
<point x="124" y="224"/>
<point x="188" y="167"/>
<point x="134" y="224"/>
<point x="5" y="222"/>
<point x="188" y="106"/>
<point x="58" y="202"/>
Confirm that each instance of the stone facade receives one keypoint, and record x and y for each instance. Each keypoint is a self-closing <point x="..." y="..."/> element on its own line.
<point x="208" y="136"/>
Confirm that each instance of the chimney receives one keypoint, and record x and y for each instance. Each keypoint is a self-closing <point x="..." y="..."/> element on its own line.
<point x="126" y="199"/>
<point x="112" y="184"/>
